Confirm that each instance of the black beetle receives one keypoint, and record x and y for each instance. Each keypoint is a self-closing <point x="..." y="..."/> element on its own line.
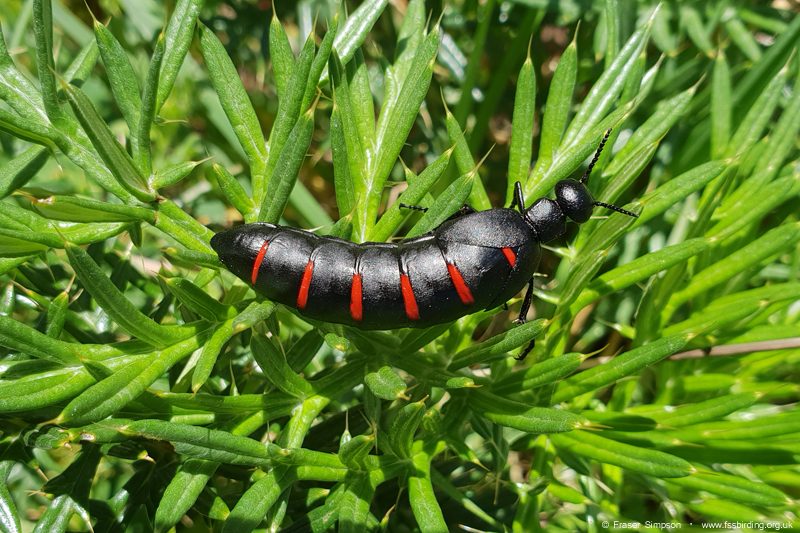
<point x="474" y="260"/>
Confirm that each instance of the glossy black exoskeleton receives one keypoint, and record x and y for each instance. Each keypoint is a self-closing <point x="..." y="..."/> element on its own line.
<point x="473" y="261"/>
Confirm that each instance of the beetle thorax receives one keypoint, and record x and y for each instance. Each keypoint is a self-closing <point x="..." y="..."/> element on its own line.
<point x="546" y="219"/>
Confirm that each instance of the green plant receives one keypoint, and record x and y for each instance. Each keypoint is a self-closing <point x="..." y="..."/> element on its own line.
<point x="183" y="400"/>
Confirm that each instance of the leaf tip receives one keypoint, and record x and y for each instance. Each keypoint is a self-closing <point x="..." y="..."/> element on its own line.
<point x="530" y="41"/>
<point x="91" y="13"/>
<point x="439" y="21"/>
<point x="655" y="13"/>
<point x="586" y="356"/>
<point x="57" y="421"/>
<point x="478" y="166"/>
<point x="444" y="102"/>
<point x="694" y="87"/>
<point x="574" y="42"/>
<point x="209" y="158"/>
<point x="64" y="84"/>
<point x="548" y="321"/>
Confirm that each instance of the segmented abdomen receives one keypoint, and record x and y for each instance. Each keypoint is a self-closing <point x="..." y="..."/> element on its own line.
<point x="416" y="283"/>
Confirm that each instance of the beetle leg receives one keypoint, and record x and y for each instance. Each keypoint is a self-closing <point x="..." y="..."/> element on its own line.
<point x="527" y="350"/>
<point x="526" y="304"/>
<point x="519" y="200"/>
<point x="465" y="210"/>
<point x="414" y="207"/>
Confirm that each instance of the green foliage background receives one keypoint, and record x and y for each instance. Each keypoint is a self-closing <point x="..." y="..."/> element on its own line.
<point x="143" y="387"/>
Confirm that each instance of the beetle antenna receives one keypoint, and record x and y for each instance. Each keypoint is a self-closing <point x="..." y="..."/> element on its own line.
<point x="596" y="157"/>
<point x="615" y="208"/>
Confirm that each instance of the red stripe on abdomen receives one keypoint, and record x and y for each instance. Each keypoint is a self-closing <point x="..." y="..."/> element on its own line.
<point x="302" y="296"/>
<point x="257" y="263"/>
<point x="510" y="256"/>
<point x="408" y="298"/>
<point x="461" y="286"/>
<point x="355" y="298"/>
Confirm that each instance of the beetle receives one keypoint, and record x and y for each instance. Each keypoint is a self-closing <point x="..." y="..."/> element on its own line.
<point x="474" y="260"/>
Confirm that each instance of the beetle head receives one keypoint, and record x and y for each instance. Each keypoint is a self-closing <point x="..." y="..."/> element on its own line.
<point x="575" y="200"/>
